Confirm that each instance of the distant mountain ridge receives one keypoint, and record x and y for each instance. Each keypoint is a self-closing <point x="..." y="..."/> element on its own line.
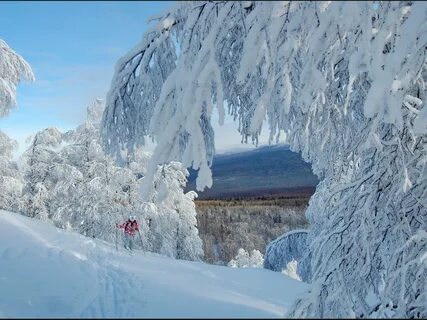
<point x="267" y="170"/>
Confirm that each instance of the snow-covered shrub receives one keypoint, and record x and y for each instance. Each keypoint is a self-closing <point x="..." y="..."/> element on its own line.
<point x="244" y="259"/>
<point x="350" y="96"/>
<point x="292" y="246"/>
<point x="291" y="270"/>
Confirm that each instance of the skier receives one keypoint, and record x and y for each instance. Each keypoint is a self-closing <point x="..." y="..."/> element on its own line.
<point x="130" y="227"/>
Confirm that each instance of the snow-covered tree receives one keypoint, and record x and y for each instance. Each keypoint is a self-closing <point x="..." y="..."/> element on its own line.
<point x="10" y="176"/>
<point x="342" y="82"/>
<point x="244" y="259"/>
<point x="70" y="181"/>
<point x="90" y="193"/>
<point x="40" y="159"/>
<point x="292" y="246"/>
<point x="175" y="221"/>
<point x="13" y="69"/>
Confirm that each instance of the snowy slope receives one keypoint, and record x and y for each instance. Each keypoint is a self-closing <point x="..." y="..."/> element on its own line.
<point x="49" y="272"/>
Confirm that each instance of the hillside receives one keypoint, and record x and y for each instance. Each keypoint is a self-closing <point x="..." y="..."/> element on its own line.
<point x="49" y="272"/>
<point x="267" y="170"/>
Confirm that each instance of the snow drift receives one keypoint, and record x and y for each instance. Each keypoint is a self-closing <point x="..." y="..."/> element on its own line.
<point x="50" y="272"/>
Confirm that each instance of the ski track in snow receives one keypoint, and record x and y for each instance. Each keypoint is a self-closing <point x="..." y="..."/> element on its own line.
<point x="49" y="272"/>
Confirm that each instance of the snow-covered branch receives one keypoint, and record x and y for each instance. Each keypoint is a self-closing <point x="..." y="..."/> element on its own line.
<point x="13" y="69"/>
<point x="349" y="97"/>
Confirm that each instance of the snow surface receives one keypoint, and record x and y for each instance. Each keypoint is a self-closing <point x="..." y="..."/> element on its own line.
<point x="50" y="272"/>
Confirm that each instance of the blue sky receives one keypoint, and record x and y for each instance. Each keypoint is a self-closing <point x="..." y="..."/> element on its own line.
<point x="72" y="48"/>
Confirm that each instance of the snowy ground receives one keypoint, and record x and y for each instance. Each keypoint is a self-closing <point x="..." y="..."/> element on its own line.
<point x="49" y="272"/>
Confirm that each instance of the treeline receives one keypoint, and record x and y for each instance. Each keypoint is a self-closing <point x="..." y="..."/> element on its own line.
<point x="289" y="201"/>
<point x="227" y="226"/>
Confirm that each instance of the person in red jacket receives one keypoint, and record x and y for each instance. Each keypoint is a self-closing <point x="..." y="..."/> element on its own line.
<point x="130" y="228"/>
